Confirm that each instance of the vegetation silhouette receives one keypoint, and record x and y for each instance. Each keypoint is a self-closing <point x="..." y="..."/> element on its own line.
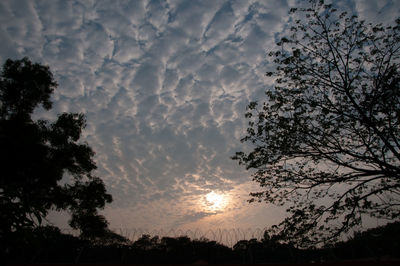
<point x="46" y="244"/>
<point x="36" y="155"/>
<point x="327" y="138"/>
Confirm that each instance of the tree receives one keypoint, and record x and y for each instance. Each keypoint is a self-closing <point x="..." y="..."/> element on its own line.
<point x="326" y="139"/>
<point x="39" y="157"/>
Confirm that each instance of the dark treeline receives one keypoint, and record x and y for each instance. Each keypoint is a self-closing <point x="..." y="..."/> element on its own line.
<point x="48" y="244"/>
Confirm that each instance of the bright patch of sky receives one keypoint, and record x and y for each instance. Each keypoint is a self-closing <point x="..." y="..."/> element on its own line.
<point x="164" y="86"/>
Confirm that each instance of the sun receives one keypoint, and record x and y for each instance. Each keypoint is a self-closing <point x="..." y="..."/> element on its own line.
<point x="215" y="201"/>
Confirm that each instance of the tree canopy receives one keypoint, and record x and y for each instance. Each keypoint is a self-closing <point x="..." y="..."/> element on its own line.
<point x="326" y="140"/>
<point x="43" y="165"/>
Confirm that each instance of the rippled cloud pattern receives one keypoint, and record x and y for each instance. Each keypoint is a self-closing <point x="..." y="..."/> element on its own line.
<point x="164" y="86"/>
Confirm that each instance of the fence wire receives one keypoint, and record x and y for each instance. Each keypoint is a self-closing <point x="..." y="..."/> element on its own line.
<point x="227" y="237"/>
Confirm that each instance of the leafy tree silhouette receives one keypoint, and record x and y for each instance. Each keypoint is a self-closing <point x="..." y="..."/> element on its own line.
<point x="37" y="154"/>
<point x="326" y="139"/>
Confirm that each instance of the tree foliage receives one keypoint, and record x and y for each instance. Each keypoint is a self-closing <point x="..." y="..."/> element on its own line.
<point x="38" y="157"/>
<point x="327" y="138"/>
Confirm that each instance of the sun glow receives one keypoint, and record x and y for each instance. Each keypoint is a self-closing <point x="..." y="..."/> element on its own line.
<point x="215" y="201"/>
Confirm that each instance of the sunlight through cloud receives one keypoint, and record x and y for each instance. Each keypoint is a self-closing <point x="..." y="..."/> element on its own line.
<point x="164" y="86"/>
<point x="216" y="201"/>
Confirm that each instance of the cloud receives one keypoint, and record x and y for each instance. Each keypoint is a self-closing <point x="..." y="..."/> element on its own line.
<point x="22" y="36"/>
<point x="385" y="11"/>
<point x="164" y="85"/>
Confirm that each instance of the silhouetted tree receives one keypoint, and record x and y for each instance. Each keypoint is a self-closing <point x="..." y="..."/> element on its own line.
<point x="375" y="243"/>
<point x="205" y="251"/>
<point x="247" y="248"/>
<point x="36" y="155"/>
<point x="326" y="139"/>
<point x="146" y="242"/>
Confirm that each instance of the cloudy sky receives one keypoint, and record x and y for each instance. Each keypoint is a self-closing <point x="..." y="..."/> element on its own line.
<point x="164" y="86"/>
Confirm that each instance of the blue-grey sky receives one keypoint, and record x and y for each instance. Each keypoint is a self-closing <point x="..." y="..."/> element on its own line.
<point x="164" y="86"/>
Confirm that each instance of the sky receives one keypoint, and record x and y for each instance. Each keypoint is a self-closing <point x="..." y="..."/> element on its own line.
<point x="164" y="86"/>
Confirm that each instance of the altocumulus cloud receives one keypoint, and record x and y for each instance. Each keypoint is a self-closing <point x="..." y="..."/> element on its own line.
<point x="164" y="85"/>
